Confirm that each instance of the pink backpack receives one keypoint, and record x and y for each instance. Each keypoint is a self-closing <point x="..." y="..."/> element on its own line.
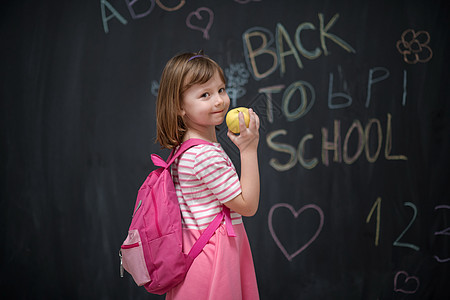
<point x="153" y="250"/>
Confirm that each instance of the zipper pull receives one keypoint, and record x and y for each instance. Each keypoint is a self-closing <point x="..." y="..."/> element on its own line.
<point x="121" y="264"/>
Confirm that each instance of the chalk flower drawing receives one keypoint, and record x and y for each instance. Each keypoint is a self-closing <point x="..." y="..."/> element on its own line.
<point x="414" y="46"/>
<point x="154" y="88"/>
<point x="237" y="76"/>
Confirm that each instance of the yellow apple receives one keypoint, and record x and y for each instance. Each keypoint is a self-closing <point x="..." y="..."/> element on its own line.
<point x="232" y="118"/>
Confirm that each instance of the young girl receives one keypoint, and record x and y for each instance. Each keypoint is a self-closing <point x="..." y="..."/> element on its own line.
<point x="192" y="101"/>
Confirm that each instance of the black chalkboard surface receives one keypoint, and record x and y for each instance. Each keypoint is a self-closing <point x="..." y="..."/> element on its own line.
<point x="354" y="150"/>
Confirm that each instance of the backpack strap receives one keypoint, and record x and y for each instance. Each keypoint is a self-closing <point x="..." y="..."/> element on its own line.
<point x="158" y="161"/>
<point x="206" y="235"/>
<point x="204" y="238"/>
<point x="209" y="232"/>
<point x="226" y="211"/>
<point x="183" y="147"/>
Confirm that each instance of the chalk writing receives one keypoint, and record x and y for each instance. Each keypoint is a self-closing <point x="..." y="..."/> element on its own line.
<point x="373" y="80"/>
<point x="397" y="241"/>
<point x="198" y="18"/>
<point x="245" y="1"/>
<point x="404" y="88"/>
<point x="268" y="91"/>
<point x="266" y="47"/>
<point x="325" y="34"/>
<point x="281" y="37"/>
<point x="379" y="134"/>
<point x="414" y="46"/>
<point x="305" y="89"/>
<point x="296" y="214"/>
<point x="388" y="147"/>
<point x="376" y="205"/>
<point x="283" y="148"/>
<point x="340" y="152"/>
<point x="260" y="105"/>
<point x="307" y="94"/>
<point x="445" y="231"/>
<point x="237" y="76"/>
<point x="104" y="4"/>
<point x="154" y="88"/>
<point x="306" y="163"/>
<point x="131" y="9"/>
<point x="306" y="53"/>
<point x="406" y="284"/>
<point x="114" y="14"/>
<point x="176" y="7"/>
<point x="376" y="75"/>
<point x="332" y="95"/>
<point x="441" y="260"/>
<point x="359" y="148"/>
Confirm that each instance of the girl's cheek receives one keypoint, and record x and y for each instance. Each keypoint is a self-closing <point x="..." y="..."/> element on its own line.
<point x="227" y="102"/>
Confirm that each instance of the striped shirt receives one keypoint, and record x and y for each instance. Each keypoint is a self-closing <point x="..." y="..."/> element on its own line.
<point x="204" y="179"/>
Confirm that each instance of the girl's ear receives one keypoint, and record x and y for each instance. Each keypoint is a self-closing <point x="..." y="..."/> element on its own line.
<point x="181" y="112"/>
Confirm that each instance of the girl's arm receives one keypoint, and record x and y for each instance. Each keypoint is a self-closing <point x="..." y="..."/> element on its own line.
<point x="247" y="202"/>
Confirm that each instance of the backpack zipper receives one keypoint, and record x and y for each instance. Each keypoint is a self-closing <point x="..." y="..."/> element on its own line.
<point x="121" y="264"/>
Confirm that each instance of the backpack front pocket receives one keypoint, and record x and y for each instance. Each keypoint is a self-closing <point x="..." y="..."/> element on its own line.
<point x="133" y="258"/>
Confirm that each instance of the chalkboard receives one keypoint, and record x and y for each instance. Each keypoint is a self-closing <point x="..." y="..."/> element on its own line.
<point x="354" y="150"/>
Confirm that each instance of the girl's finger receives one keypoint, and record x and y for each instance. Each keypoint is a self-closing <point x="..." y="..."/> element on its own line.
<point x="242" y="125"/>
<point x="231" y="135"/>
<point x="254" y="119"/>
<point x="257" y="121"/>
<point x="251" y="115"/>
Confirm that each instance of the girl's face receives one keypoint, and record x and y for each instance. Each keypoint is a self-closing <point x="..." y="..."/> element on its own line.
<point x="204" y="106"/>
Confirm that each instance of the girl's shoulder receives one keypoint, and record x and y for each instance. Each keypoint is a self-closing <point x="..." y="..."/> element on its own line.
<point x="207" y="149"/>
<point x="202" y="153"/>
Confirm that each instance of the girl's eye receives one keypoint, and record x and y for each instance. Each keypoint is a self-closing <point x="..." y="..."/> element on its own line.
<point x="205" y="95"/>
<point x="222" y="90"/>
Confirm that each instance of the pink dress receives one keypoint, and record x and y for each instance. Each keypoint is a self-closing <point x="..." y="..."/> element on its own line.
<point x="205" y="179"/>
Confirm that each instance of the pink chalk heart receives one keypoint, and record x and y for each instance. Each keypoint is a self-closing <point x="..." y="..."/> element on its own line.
<point x="197" y="17"/>
<point x="409" y="284"/>
<point x="296" y="214"/>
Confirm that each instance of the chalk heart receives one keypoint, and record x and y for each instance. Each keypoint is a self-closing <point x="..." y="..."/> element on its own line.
<point x="197" y="18"/>
<point x="403" y="279"/>
<point x="296" y="214"/>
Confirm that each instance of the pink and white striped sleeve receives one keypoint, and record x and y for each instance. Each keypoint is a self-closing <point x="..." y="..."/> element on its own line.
<point x="214" y="168"/>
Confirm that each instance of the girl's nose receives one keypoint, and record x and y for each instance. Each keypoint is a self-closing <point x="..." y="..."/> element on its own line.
<point x="219" y="100"/>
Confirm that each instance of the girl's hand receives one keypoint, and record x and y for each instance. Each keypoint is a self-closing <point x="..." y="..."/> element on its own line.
<point x="247" y="202"/>
<point x="248" y="138"/>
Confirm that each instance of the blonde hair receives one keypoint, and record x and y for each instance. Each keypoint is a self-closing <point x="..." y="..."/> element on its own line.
<point x="180" y="73"/>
